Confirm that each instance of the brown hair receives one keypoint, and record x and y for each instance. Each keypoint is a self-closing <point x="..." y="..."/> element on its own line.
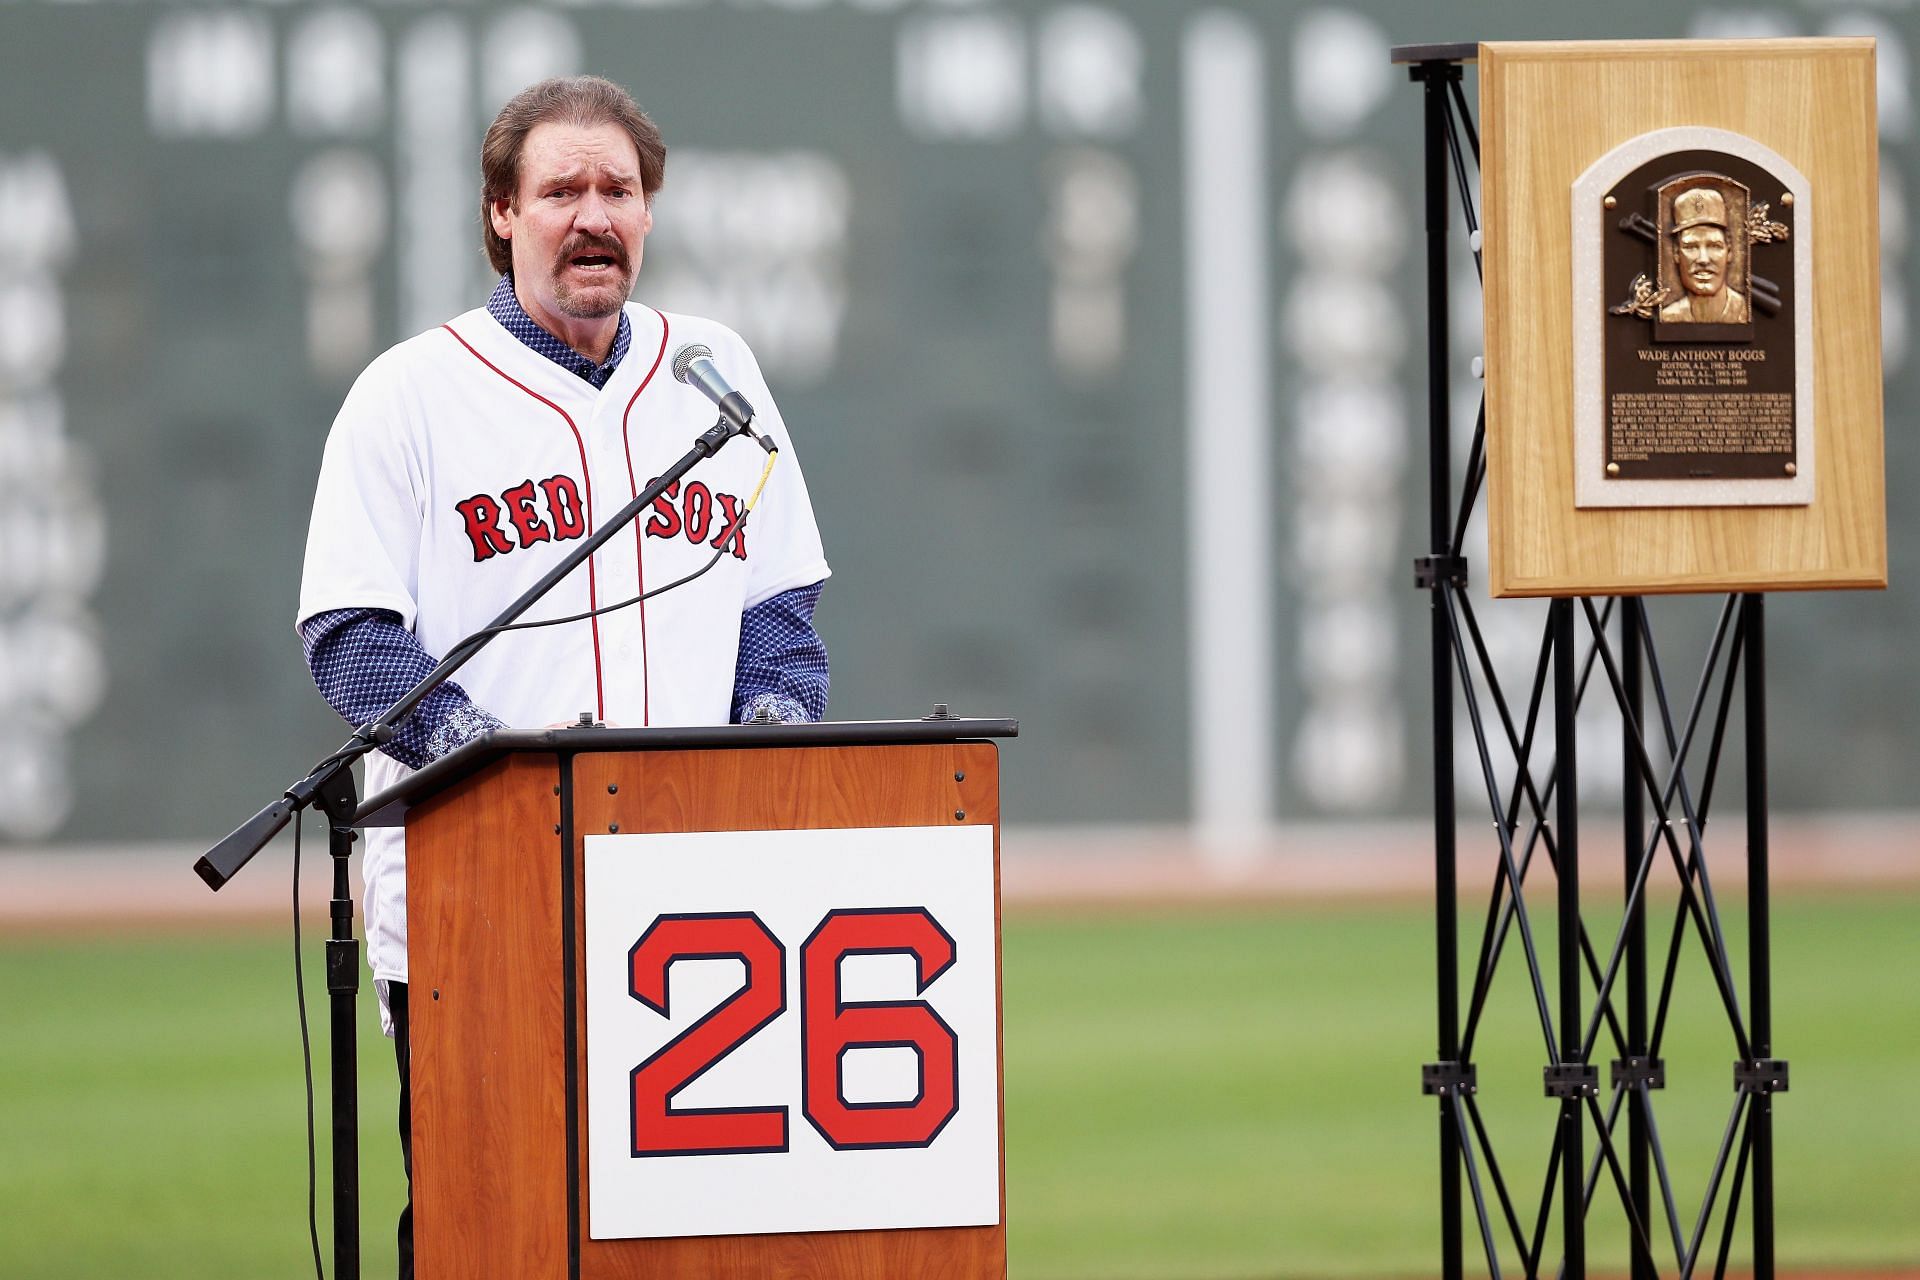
<point x="576" y="100"/>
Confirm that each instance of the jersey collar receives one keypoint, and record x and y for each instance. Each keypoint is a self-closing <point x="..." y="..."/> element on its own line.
<point x="504" y="307"/>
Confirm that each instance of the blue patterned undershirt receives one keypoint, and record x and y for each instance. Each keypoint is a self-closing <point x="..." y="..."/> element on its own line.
<point x="363" y="660"/>
<point x="505" y="307"/>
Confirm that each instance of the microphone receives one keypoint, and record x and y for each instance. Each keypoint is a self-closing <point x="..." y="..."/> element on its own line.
<point x="693" y="365"/>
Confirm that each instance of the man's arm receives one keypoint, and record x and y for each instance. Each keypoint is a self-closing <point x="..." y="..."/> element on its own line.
<point x="782" y="665"/>
<point x="363" y="660"/>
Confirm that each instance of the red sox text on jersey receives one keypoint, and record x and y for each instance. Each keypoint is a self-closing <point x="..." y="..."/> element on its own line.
<point x="550" y="511"/>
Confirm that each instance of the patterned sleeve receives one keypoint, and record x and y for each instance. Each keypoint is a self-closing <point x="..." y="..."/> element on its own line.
<point x="363" y="660"/>
<point x="782" y="665"/>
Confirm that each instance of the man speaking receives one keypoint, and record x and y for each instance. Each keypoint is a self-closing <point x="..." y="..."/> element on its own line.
<point x="466" y="459"/>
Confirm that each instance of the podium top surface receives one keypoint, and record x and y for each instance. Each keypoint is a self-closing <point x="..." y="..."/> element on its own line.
<point x="389" y="807"/>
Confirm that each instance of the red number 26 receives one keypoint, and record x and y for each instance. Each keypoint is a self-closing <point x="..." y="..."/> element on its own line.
<point x="830" y="1028"/>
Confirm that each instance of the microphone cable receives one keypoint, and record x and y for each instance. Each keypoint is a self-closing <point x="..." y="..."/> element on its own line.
<point x="306" y="1058"/>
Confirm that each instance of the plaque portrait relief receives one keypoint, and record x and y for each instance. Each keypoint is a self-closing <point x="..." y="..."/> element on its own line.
<point x="1703" y="253"/>
<point x="1693" y="377"/>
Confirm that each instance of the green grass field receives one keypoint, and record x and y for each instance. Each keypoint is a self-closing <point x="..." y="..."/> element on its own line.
<point x="1206" y="1094"/>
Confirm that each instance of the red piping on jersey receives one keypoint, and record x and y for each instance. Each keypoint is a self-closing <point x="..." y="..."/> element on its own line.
<point x="593" y="602"/>
<point x="639" y="539"/>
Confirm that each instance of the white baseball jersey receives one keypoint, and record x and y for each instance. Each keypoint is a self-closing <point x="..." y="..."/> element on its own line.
<point x="464" y="465"/>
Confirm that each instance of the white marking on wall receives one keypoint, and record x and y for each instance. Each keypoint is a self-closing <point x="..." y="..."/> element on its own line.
<point x="1093" y="235"/>
<point x="1339" y="77"/>
<point x="523" y="47"/>
<point x="210" y="74"/>
<point x="1893" y="87"/>
<point x="1229" y="421"/>
<point x="962" y="77"/>
<point x="52" y="527"/>
<point x="758" y="241"/>
<point x="1345" y="334"/>
<point x="1090" y="62"/>
<point x="439" y="238"/>
<point x="1741" y="24"/>
<point x="336" y="74"/>
<point x="338" y="207"/>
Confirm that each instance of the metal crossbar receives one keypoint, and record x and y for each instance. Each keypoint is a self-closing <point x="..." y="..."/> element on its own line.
<point x="1664" y="823"/>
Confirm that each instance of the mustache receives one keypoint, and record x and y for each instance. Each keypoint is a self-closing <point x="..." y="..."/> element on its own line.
<point x="606" y="246"/>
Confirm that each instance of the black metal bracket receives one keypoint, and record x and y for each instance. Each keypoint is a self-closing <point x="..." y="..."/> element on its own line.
<point x="343" y="966"/>
<point x="338" y="799"/>
<point x="1430" y="61"/>
<point x="1449" y="1079"/>
<point x="1430" y="571"/>
<point x="1572" y="1080"/>
<point x="1631" y="1072"/>
<point x="1760" y="1075"/>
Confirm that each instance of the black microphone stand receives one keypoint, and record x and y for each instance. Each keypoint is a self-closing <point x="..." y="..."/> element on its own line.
<point x="330" y="786"/>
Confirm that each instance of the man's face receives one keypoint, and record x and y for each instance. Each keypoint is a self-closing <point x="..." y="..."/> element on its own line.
<point x="1701" y="254"/>
<point x="578" y="221"/>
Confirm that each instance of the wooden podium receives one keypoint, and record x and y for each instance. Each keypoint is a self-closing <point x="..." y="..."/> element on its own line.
<point x="498" y="993"/>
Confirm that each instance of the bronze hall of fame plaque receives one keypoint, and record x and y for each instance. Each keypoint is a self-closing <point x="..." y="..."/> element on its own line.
<point x="1693" y="359"/>
<point x="1699" y="352"/>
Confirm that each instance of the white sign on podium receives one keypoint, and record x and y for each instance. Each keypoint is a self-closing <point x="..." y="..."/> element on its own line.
<point x="791" y="1031"/>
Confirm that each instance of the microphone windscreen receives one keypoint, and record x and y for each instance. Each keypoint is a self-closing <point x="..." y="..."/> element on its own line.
<point x="683" y="359"/>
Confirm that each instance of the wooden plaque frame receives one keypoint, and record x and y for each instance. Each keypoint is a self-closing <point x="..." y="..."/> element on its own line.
<point x="1548" y="111"/>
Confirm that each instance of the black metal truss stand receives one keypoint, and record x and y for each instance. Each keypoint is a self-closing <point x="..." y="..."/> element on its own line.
<point x="1602" y="984"/>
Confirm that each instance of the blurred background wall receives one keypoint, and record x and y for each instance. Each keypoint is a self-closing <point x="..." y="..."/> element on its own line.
<point x="1098" y="326"/>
